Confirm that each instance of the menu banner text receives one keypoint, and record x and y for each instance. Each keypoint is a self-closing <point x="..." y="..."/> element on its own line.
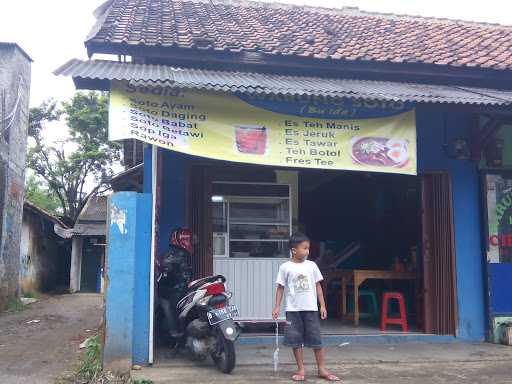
<point x="327" y="135"/>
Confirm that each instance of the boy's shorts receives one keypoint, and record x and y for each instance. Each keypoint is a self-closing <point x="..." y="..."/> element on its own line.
<point x="303" y="329"/>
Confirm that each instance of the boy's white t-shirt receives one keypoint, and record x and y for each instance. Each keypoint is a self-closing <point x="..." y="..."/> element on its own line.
<point x="299" y="280"/>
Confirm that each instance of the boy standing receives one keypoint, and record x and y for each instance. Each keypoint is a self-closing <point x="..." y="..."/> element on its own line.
<point x="301" y="278"/>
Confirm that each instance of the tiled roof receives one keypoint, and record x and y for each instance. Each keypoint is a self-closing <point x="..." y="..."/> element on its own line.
<point x="271" y="84"/>
<point x="29" y="206"/>
<point x="277" y="29"/>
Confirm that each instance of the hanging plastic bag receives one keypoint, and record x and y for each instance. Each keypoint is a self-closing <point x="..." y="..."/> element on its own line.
<point x="276" y="351"/>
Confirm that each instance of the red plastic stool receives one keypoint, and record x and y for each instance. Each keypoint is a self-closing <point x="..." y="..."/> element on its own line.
<point x="385" y="320"/>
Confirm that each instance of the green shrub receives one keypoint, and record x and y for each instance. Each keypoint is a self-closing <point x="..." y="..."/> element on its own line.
<point x="31" y="295"/>
<point x="90" y="365"/>
<point x="15" y="305"/>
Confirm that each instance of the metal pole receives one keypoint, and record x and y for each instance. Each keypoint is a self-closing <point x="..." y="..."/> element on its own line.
<point x="154" y="167"/>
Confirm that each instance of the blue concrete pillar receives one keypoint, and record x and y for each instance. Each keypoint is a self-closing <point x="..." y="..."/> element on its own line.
<point x="128" y="259"/>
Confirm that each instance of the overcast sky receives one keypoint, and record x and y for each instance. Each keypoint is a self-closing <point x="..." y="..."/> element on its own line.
<point x="53" y="31"/>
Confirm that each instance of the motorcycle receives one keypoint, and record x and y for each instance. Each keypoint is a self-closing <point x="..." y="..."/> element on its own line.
<point x="208" y="319"/>
<point x="196" y="316"/>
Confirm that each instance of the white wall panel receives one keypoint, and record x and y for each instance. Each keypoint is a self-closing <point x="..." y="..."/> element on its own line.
<point x="252" y="282"/>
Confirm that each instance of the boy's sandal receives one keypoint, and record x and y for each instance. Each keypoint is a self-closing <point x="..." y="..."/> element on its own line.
<point x="330" y="377"/>
<point x="298" y="377"/>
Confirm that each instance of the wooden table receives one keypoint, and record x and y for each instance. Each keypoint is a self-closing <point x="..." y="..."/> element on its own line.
<point x="358" y="277"/>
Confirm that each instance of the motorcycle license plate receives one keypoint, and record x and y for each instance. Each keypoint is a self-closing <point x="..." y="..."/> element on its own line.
<point x="216" y="316"/>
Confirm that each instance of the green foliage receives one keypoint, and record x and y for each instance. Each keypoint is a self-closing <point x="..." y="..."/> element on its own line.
<point x="31" y="295"/>
<point x="14" y="304"/>
<point x="90" y="365"/>
<point x="37" y="193"/>
<point x="46" y="112"/>
<point x="89" y="369"/>
<point x="68" y="173"/>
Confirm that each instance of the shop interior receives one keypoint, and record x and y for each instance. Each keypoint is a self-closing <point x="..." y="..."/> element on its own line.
<point x="364" y="221"/>
<point x="355" y="220"/>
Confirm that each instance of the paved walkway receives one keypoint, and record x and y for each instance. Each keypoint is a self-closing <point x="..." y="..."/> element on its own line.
<point x="375" y="364"/>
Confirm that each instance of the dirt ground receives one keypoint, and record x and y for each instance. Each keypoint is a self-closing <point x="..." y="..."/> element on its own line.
<point x="36" y="352"/>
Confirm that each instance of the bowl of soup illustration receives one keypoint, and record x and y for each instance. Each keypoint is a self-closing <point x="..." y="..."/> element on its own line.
<point x="380" y="151"/>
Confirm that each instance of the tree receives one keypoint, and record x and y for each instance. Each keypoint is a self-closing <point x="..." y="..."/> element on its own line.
<point x="81" y="166"/>
<point x="38" y="194"/>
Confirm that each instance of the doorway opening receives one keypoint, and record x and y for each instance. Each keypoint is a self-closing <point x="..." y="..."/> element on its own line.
<point x="356" y="221"/>
<point x="92" y="264"/>
<point x="366" y="222"/>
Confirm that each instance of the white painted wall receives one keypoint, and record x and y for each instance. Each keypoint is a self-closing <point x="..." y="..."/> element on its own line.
<point x="27" y="272"/>
<point x="76" y="264"/>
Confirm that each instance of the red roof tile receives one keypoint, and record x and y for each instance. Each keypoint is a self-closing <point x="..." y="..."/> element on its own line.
<point x="278" y="29"/>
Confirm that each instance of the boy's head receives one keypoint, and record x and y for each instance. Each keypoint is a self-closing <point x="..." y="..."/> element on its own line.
<point x="299" y="245"/>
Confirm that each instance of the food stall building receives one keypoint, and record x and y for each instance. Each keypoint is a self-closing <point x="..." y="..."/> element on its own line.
<point x="371" y="133"/>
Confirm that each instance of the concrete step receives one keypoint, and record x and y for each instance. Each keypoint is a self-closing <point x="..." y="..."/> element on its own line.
<point x="262" y="355"/>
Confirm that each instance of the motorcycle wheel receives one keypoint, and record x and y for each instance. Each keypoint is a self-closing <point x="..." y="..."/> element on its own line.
<point x="224" y="357"/>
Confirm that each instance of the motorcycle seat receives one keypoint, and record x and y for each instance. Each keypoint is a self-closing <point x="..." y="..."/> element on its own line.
<point x="193" y="285"/>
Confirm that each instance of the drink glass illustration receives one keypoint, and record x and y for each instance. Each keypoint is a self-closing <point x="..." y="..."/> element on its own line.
<point x="251" y="139"/>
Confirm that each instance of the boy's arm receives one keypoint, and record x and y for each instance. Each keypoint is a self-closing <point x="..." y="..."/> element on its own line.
<point x="320" y="295"/>
<point x="279" y="298"/>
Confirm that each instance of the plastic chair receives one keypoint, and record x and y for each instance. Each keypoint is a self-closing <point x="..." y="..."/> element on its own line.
<point x="372" y="307"/>
<point x="385" y="320"/>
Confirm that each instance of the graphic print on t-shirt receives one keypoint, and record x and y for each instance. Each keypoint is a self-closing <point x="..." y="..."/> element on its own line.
<point x="301" y="283"/>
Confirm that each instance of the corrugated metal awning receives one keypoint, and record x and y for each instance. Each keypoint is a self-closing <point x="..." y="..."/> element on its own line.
<point x="80" y="230"/>
<point x="97" y="71"/>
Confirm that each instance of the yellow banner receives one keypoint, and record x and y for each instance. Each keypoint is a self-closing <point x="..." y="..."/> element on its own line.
<point x="250" y="129"/>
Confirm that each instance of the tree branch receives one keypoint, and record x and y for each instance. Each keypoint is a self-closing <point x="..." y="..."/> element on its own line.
<point x="64" y="173"/>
